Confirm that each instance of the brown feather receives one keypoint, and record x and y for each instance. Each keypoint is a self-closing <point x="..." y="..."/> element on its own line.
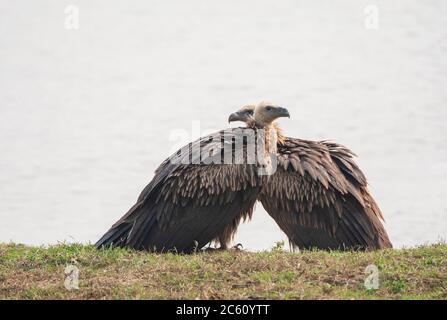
<point x="321" y="200"/>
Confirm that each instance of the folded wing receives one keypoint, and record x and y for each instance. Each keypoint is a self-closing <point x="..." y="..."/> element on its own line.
<point x="319" y="198"/>
<point x="192" y="199"/>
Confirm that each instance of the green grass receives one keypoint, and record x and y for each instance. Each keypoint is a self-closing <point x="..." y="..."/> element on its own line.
<point x="38" y="273"/>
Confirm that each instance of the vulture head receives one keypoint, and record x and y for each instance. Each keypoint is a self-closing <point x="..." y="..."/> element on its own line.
<point x="244" y="114"/>
<point x="260" y="115"/>
<point x="266" y="113"/>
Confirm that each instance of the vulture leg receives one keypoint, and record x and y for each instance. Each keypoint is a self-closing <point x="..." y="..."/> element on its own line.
<point x="227" y="236"/>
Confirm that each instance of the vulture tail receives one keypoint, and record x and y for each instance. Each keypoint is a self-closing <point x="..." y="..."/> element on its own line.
<point x="115" y="237"/>
<point x="119" y="233"/>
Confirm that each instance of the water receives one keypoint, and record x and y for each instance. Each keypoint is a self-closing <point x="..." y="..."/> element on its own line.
<point x="87" y="115"/>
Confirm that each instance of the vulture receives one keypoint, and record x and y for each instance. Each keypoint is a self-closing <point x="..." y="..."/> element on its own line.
<point x="202" y="190"/>
<point x="318" y="195"/>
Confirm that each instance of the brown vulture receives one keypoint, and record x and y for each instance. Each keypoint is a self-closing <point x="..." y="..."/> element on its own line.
<point x="318" y="195"/>
<point x="197" y="192"/>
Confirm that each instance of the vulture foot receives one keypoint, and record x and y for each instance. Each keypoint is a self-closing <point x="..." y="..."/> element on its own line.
<point x="238" y="247"/>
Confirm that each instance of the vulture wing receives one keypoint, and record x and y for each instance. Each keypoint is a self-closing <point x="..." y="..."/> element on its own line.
<point x="319" y="198"/>
<point x="193" y="197"/>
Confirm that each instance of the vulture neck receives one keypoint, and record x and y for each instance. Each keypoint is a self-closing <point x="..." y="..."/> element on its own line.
<point x="280" y="137"/>
<point x="271" y="139"/>
<point x="273" y="126"/>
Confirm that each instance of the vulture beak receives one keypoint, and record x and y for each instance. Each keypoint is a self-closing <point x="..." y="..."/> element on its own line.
<point x="234" y="117"/>
<point x="283" y="112"/>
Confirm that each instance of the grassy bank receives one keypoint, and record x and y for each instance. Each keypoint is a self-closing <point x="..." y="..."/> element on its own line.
<point x="38" y="273"/>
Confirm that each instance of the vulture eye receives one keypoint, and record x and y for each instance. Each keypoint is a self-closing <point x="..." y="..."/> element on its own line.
<point x="269" y="108"/>
<point x="249" y="112"/>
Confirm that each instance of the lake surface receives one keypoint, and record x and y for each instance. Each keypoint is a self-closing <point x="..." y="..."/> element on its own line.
<point x="86" y="115"/>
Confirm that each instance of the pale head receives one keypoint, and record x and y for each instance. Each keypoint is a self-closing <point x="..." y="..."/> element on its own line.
<point x="267" y="112"/>
<point x="261" y="115"/>
<point x="244" y="114"/>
